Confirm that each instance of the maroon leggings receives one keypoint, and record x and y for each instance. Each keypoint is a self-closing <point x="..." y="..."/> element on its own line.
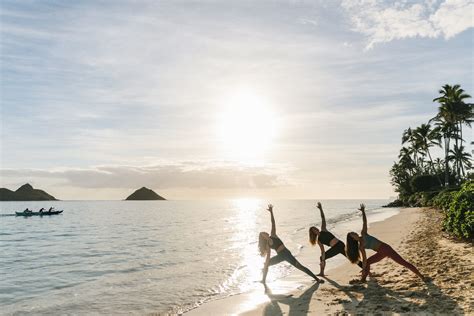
<point x="387" y="251"/>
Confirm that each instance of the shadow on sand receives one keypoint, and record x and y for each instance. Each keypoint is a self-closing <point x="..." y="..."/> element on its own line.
<point x="377" y="298"/>
<point x="297" y="305"/>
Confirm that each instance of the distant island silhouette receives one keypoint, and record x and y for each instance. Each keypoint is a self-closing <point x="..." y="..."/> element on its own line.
<point x="144" y="194"/>
<point x="25" y="193"/>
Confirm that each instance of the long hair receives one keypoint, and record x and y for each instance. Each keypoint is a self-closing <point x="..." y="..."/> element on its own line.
<point x="262" y="244"/>
<point x="352" y="249"/>
<point x="313" y="237"/>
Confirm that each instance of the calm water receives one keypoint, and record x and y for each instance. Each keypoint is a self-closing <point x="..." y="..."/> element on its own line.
<point x="113" y="257"/>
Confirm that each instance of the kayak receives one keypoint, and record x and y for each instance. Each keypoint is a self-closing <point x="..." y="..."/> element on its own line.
<point x="38" y="213"/>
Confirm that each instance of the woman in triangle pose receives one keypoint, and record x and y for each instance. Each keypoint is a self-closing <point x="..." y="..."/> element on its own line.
<point x="266" y="242"/>
<point x="356" y="246"/>
<point x="324" y="238"/>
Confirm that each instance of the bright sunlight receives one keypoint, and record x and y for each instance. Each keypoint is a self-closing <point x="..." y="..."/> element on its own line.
<point x="246" y="127"/>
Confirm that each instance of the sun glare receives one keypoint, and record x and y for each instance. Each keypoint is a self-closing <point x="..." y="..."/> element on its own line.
<point x="246" y="127"/>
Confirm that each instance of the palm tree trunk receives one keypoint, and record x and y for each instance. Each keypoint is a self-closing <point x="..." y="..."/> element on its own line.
<point x="462" y="169"/>
<point x="460" y="166"/>
<point x="433" y="167"/>
<point x="446" y="163"/>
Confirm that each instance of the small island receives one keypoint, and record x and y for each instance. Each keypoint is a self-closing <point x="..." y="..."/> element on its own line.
<point x="144" y="194"/>
<point x="25" y="193"/>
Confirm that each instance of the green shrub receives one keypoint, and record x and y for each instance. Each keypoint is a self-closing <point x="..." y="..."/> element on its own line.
<point x="396" y="203"/>
<point x="443" y="199"/>
<point x="424" y="182"/>
<point x="428" y="198"/>
<point x="459" y="217"/>
<point x="420" y="199"/>
<point x="414" y="199"/>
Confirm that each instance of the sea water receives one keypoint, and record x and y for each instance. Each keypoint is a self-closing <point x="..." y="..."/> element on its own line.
<point x="139" y="257"/>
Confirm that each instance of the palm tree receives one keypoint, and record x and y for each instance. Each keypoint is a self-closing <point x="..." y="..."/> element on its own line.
<point x="400" y="177"/>
<point x="426" y="137"/>
<point x="406" y="161"/>
<point x="460" y="158"/>
<point x="439" y="164"/>
<point x="453" y="112"/>
<point x="448" y="130"/>
<point x="408" y="136"/>
<point x="453" y="108"/>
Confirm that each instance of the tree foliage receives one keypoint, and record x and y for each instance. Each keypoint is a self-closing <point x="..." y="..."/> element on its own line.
<point x="416" y="169"/>
<point x="423" y="180"/>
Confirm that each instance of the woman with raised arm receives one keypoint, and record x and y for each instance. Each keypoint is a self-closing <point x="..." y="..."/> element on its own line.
<point x="356" y="244"/>
<point x="267" y="242"/>
<point x="324" y="237"/>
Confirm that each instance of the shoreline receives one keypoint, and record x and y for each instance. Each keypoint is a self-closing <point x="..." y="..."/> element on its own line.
<point x="391" y="289"/>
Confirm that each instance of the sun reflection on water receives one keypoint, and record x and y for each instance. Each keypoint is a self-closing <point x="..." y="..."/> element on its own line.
<point x="246" y="234"/>
<point x="249" y="217"/>
<point x="247" y="204"/>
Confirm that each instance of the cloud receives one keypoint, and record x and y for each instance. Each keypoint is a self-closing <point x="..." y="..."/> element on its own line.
<point x="108" y="83"/>
<point x="385" y="21"/>
<point x="189" y="174"/>
<point x="453" y="17"/>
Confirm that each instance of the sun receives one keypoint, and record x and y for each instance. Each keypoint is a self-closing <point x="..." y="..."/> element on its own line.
<point x="246" y="127"/>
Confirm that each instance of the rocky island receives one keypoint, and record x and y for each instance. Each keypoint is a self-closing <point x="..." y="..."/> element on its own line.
<point x="25" y="193"/>
<point x="144" y="194"/>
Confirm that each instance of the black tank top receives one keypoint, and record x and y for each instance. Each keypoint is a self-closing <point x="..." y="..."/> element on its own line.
<point x="276" y="242"/>
<point x="325" y="237"/>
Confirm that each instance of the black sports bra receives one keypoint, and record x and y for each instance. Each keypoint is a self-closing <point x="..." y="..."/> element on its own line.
<point x="276" y="242"/>
<point x="325" y="237"/>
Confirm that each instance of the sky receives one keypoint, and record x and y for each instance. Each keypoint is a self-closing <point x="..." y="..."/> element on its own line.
<point x="221" y="99"/>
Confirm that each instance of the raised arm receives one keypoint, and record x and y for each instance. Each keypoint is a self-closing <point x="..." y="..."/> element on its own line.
<point x="270" y="209"/>
<point x="323" y="225"/>
<point x="364" y="219"/>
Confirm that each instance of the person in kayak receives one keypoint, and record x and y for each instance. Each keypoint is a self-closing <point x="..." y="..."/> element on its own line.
<point x="324" y="237"/>
<point x="27" y="211"/>
<point x="267" y="242"/>
<point x="41" y="210"/>
<point x="357" y="244"/>
<point x="51" y="209"/>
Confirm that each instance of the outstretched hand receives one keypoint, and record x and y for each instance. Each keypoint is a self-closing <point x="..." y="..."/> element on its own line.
<point x="319" y="206"/>
<point x="270" y="208"/>
<point x="362" y="207"/>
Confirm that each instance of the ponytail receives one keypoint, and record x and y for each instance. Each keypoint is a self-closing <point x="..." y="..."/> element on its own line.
<point x="262" y="244"/>
<point x="352" y="249"/>
<point x="313" y="237"/>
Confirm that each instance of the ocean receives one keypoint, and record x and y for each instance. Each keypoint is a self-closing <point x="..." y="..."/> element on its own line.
<point x="140" y="257"/>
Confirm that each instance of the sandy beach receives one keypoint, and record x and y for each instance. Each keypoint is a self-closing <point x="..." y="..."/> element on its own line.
<point x="416" y="234"/>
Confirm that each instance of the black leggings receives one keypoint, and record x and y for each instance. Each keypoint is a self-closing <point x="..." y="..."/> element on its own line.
<point x="285" y="255"/>
<point x="338" y="248"/>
